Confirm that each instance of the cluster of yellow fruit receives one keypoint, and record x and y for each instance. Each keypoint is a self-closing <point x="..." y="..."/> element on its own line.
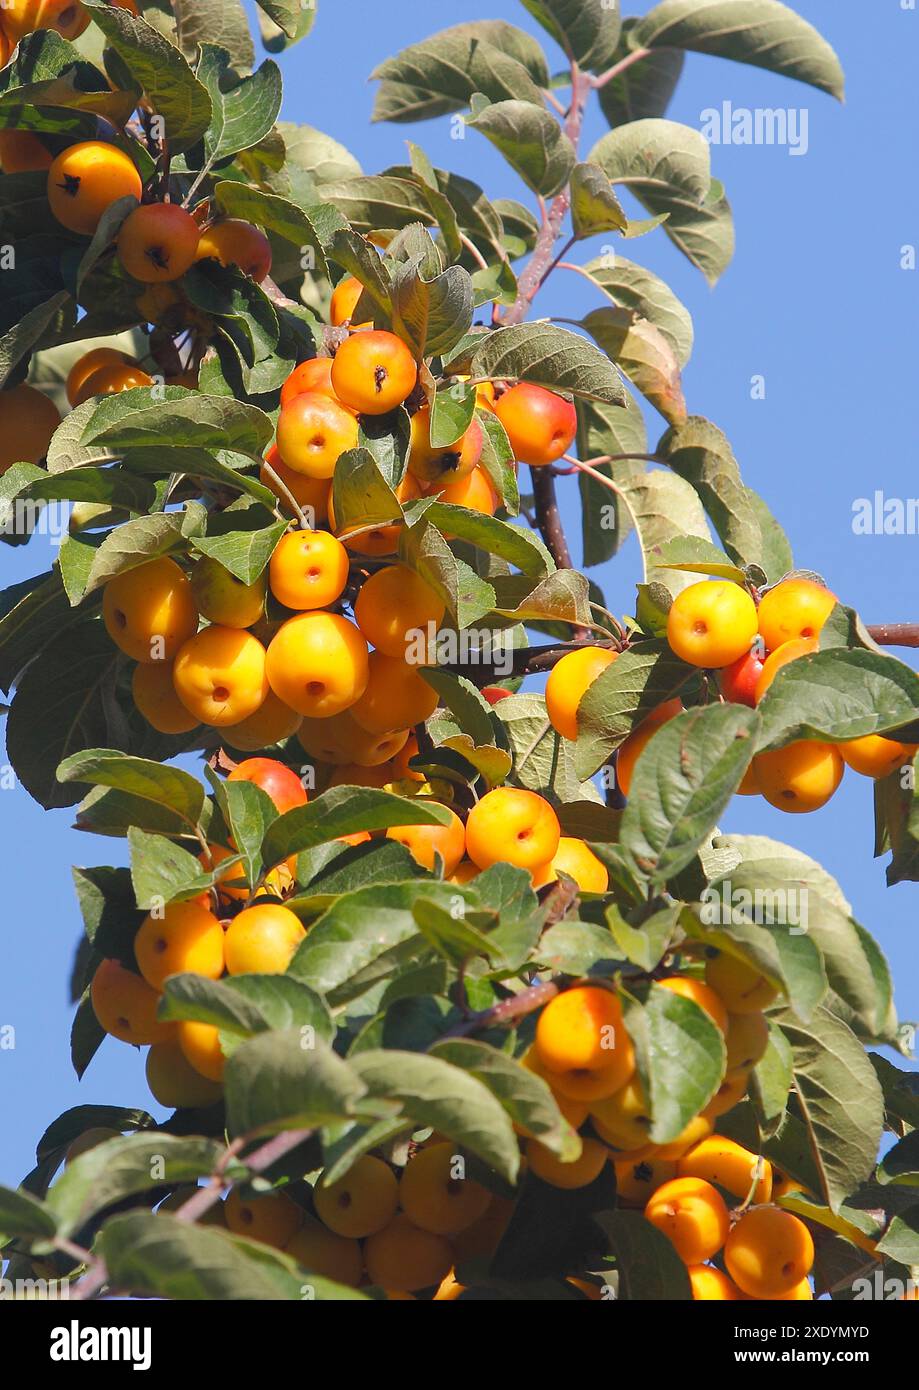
<point x="401" y="1230"/>
<point x="185" y="1063"/>
<point x="716" y="625"/>
<point x="69" y="18"/>
<point x="157" y="244"/>
<point x="583" y="1050"/>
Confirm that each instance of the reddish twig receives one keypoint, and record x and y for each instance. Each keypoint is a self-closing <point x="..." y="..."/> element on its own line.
<point x="201" y="1201"/>
<point x="895" y="634"/>
<point x="620" y="67"/>
<point x="518" y="1006"/>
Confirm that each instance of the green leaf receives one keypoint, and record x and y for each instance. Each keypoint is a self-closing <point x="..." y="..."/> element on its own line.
<point x="699" y="452"/>
<point x="773" y="1076"/>
<point x="542" y="758"/>
<point x="59" y="708"/>
<point x="662" y="506"/>
<point x="218" y="1002"/>
<point x="633" y="685"/>
<point x="632" y="286"/>
<point x="839" y="695"/>
<point x="668" y="168"/>
<point x="440" y="74"/>
<point x="118" y="1168"/>
<point x="33" y="613"/>
<point x="519" y="548"/>
<point x="497" y="461"/>
<point x="587" y="30"/>
<point x="431" y="315"/>
<point x="286" y="14"/>
<point x="778" y="883"/>
<point x="545" y="354"/>
<point x="316" y="153"/>
<point x="247" y="811"/>
<point x="192" y="463"/>
<point x="273" y="214"/>
<point x="840" y="1100"/>
<point x="649" y="1267"/>
<point x="363" y="498"/>
<point x="645" y="945"/>
<point x="373" y="201"/>
<point x="26" y="483"/>
<point x="163" y="872"/>
<point x="360" y="934"/>
<point x="685" y="1059"/>
<point x="761" y="32"/>
<point x="124" y="548"/>
<point x="288" y="1080"/>
<point x="682" y="782"/>
<point x="453" y="937"/>
<point x="162" y="1257"/>
<point x="643" y="354"/>
<point x="242" y="539"/>
<point x="451" y="414"/>
<point x="422" y="547"/>
<point x="15" y="343"/>
<point x="696" y="556"/>
<point x="525" y="1096"/>
<point x="244" y="1005"/>
<point x="594" y="206"/>
<point x="762" y="939"/>
<point x="190" y="419"/>
<point x="530" y="139"/>
<point x="901" y="1163"/>
<point x="23" y="1216"/>
<point x="344" y="811"/>
<point x="602" y="430"/>
<point x="453" y="1101"/>
<point x="220" y="22"/>
<point x="160" y="69"/>
<point x="168" y="786"/>
<point x="439" y="205"/>
<point x="243" y="111"/>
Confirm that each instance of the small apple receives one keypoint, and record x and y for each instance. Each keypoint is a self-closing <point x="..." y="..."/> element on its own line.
<point x="738" y="681"/>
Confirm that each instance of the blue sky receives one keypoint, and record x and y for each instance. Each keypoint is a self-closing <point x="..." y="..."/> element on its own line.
<point x="816" y="302"/>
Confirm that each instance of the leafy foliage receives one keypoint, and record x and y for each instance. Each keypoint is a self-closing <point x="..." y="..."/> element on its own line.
<point x="406" y="1003"/>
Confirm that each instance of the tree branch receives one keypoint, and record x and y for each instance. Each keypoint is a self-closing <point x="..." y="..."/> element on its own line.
<point x="541" y="261"/>
<point x="201" y="1201"/>
<point x="620" y="67"/>
<point x="518" y="1006"/>
<point x="548" y="517"/>
<point x="895" y="634"/>
<point x="526" y="661"/>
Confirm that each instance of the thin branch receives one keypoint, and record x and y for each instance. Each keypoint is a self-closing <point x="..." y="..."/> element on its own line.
<point x="558" y="259"/>
<point x="548" y="517"/>
<point x="528" y="661"/>
<point x="474" y="251"/>
<point x="508" y="1011"/>
<point x="543" y="253"/>
<point x="620" y="67"/>
<point x="895" y="634"/>
<point x="554" y="102"/>
<point x="203" y="1200"/>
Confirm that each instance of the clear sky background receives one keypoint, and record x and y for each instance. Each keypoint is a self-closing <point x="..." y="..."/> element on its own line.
<point x="816" y="302"/>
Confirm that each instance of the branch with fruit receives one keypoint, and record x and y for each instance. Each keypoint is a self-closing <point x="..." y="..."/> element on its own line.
<point x="444" y="978"/>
